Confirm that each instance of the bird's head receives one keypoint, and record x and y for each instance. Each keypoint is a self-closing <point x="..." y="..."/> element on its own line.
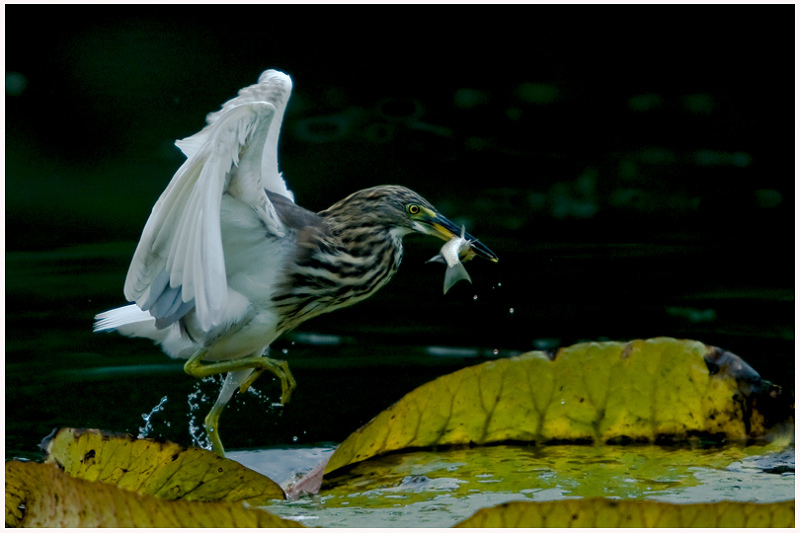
<point x="398" y="211"/>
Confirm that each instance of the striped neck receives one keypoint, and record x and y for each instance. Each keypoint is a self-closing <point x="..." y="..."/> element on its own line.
<point x="337" y="270"/>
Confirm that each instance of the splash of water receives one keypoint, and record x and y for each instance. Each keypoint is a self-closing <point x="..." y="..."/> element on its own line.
<point x="197" y="398"/>
<point x="200" y="402"/>
<point x="148" y="426"/>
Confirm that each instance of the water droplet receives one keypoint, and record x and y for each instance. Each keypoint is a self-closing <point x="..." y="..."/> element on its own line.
<point x="495" y="351"/>
<point x="511" y="311"/>
<point x="563" y="402"/>
<point x="294" y="439"/>
<point x="499" y="284"/>
<point x="147" y="417"/>
<point x="285" y="351"/>
<point x="475" y="297"/>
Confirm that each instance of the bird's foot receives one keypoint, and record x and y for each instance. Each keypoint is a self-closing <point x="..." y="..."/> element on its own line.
<point x="211" y="424"/>
<point x="280" y="369"/>
<point x="195" y="367"/>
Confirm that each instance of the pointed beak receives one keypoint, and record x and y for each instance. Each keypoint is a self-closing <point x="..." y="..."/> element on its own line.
<point x="439" y="226"/>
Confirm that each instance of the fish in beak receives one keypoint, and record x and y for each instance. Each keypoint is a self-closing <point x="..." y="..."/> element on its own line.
<point x="460" y="247"/>
<point x="441" y="227"/>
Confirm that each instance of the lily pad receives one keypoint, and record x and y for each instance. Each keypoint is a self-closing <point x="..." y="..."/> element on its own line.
<point x="670" y="473"/>
<point x="163" y="469"/>
<point x="439" y="488"/>
<point x="41" y="495"/>
<point x="601" y="512"/>
<point x="644" y="390"/>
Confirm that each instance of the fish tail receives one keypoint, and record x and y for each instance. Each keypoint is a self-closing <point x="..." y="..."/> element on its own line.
<point x="455" y="274"/>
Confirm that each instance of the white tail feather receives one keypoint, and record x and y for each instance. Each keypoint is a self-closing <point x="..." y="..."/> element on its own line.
<point x="122" y="316"/>
<point x="131" y="322"/>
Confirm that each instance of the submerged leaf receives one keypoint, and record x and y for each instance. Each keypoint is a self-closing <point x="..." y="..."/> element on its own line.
<point x="163" y="469"/>
<point x="644" y="390"/>
<point x="41" y="495"/>
<point x="601" y="512"/>
<point x="676" y="474"/>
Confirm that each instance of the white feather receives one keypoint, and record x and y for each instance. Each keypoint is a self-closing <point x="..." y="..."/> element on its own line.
<point x="115" y="318"/>
<point x="236" y="154"/>
<point x="133" y="322"/>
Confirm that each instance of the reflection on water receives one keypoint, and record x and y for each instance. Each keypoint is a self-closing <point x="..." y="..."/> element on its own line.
<point x="440" y="488"/>
<point x="283" y="464"/>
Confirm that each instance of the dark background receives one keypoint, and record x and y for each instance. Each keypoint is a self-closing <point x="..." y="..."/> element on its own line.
<point x="633" y="174"/>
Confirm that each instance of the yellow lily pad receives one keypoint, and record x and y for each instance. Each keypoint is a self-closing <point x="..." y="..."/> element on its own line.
<point x="677" y="474"/>
<point x="41" y="495"/>
<point x="163" y="469"/>
<point x="643" y="390"/>
<point x="601" y="512"/>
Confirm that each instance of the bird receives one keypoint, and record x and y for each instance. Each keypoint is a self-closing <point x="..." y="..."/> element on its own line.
<point x="227" y="261"/>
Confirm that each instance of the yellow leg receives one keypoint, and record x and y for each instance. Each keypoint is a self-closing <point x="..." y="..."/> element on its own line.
<point x="281" y="371"/>
<point x="211" y="424"/>
<point x="195" y="367"/>
<point x="253" y="366"/>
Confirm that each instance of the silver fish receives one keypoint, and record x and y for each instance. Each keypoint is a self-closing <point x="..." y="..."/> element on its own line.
<point x="453" y="252"/>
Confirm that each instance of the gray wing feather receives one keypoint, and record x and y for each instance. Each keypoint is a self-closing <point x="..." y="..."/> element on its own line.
<point x="179" y="262"/>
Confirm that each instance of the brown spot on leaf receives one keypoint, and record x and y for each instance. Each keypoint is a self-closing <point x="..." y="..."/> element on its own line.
<point x="626" y="352"/>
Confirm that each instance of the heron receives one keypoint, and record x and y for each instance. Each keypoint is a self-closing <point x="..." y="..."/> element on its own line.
<point x="228" y="262"/>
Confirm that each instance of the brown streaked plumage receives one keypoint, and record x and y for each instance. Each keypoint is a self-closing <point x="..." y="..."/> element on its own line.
<point x="228" y="262"/>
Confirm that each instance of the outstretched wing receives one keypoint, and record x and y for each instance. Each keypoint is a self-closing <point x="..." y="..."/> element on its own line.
<point x="179" y="263"/>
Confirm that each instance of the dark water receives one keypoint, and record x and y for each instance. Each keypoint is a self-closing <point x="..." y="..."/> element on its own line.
<point x="60" y="374"/>
<point x="629" y="192"/>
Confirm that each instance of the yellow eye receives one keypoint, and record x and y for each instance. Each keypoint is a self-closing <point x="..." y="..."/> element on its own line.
<point x="413" y="209"/>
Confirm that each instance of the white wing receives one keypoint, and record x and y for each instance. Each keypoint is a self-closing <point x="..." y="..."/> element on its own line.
<point x="179" y="263"/>
<point x="274" y="87"/>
